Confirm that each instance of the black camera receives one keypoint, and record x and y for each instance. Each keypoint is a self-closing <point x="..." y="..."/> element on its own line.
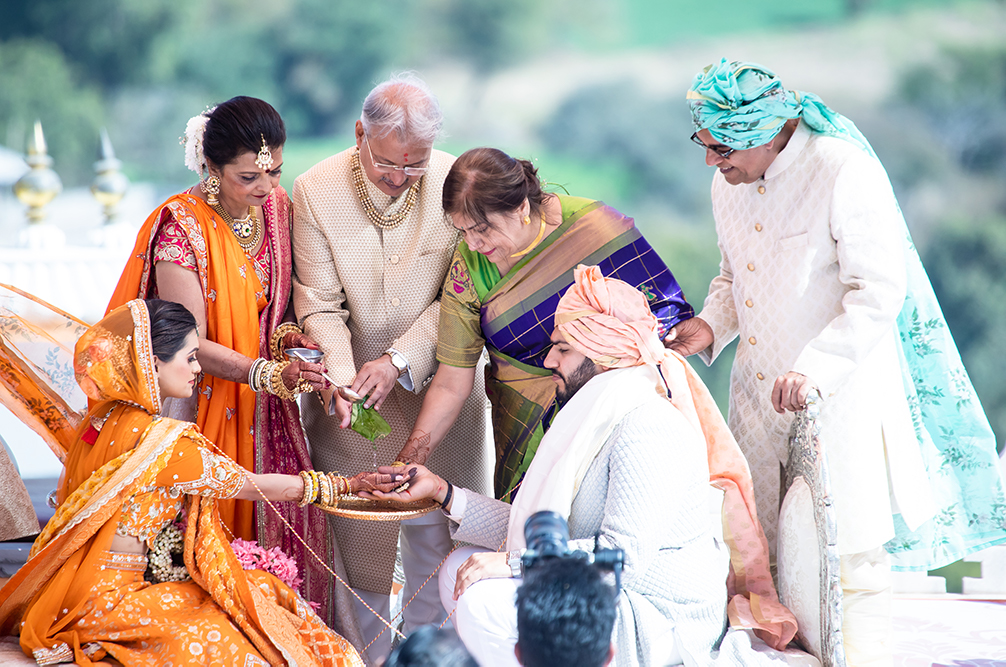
<point x="547" y="536"/>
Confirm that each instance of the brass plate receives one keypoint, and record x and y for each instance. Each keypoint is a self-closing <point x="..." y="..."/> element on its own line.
<point x="365" y="509"/>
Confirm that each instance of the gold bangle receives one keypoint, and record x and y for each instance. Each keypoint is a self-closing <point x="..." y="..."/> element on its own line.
<point x="308" y="495"/>
<point x="275" y="385"/>
<point x="264" y="370"/>
<point x="276" y="342"/>
<point x="305" y="497"/>
<point x="337" y="483"/>
<point x="326" y="490"/>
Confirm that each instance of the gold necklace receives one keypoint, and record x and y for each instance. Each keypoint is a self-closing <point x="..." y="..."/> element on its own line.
<point x="247" y="230"/>
<point x="381" y="220"/>
<point x="537" y="239"/>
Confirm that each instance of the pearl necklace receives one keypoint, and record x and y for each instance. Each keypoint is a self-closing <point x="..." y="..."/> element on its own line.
<point x="247" y="230"/>
<point x="376" y="217"/>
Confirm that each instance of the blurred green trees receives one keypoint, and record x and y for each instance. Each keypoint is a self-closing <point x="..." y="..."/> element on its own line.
<point x="36" y="81"/>
<point x="962" y="97"/>
<point x="144" y="67"/>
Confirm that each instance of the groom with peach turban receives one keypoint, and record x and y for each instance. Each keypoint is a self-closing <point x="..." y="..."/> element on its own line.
<point x="630" y="457"/>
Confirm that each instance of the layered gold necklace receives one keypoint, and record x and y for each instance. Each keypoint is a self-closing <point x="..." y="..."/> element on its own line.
<point x="247" y="230"/>
<point x="376" y="217"/>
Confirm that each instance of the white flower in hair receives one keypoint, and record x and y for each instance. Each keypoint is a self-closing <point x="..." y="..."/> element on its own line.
<point x="193" y="141"/>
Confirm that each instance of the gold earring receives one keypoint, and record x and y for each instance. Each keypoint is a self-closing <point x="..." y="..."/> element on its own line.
<point x="211" y="186"/>
<point x="527" y="219"/>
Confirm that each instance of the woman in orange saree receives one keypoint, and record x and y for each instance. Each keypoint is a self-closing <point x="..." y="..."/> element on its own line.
<point x="222" y="249"/>
<point x="82" y="594"/>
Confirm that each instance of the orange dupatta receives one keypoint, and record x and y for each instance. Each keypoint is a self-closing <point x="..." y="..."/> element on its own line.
<point x="113" y="363"/>
<point x="233" y="296"/>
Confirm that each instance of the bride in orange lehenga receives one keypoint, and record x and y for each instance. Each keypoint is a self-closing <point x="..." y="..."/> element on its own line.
<point x="82" y="594"/>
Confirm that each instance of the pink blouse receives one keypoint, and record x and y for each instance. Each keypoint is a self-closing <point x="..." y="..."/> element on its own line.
<point x="171" y="245"/>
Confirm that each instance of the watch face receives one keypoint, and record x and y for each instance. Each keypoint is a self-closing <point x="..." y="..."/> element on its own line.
<point x="398" y="362"/>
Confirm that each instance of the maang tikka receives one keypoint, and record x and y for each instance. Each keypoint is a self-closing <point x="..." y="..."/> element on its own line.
<point x="264" y="159"/>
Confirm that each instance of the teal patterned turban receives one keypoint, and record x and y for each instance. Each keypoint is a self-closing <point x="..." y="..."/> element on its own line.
<point x="744" y="105"/>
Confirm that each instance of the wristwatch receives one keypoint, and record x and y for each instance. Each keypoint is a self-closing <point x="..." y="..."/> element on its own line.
<point x="398" y="360"/>
<point x="516" y="564"/>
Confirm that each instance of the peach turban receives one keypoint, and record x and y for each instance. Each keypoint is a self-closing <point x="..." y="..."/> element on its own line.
<point x="608" y="321"/>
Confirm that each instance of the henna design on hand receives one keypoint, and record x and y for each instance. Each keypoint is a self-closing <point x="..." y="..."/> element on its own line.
<point x="417" y="448"/>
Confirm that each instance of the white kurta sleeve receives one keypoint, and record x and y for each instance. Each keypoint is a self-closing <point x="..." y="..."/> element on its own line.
<point x="865" y="223"/>
<point x="485" y="522"/>
<point x="318" y="296"/>
<point x="719" y="310"/>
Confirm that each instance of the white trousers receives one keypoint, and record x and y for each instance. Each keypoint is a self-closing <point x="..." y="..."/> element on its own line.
<point x="866" y="608"/>
<point x="425" y="541"/>
<point x="485" y="617"/>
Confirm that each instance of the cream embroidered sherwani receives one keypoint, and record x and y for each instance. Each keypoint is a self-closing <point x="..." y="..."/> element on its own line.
<point x="812" y="279"/>
<point x="358" y="291"/>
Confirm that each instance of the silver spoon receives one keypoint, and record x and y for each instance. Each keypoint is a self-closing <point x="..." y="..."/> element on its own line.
<point x="344" y="391"/>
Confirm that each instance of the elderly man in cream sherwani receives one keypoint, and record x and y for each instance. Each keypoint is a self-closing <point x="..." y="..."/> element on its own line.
<point x="371" y="248"/>
<point x="819" y="280"/>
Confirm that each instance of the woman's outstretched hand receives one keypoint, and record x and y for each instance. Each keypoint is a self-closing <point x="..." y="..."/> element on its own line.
<point x="422" y="484"/>
<point x="377" y="482"/>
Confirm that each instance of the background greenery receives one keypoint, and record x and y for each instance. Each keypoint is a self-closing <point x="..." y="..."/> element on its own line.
<point x="143" y="67"/>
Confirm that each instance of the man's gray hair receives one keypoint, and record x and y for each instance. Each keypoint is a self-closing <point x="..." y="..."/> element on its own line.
<point x="404" y="105"/>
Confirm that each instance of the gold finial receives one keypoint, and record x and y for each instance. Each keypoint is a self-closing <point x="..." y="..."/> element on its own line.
<point x="40" y="185"/>
<point x="264" y="159"/>
<point x="110" y="184"/>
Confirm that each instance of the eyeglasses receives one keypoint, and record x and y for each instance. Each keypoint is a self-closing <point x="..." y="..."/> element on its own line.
<point x="391" y="168"/>
<point x="724" y="152"/>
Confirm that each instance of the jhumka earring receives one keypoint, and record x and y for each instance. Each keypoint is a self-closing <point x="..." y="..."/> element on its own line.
<point x="264" y="159"/>
<point x="211" y="186"/>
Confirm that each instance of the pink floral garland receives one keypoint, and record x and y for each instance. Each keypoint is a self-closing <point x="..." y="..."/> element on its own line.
<point x="274" y="561"/>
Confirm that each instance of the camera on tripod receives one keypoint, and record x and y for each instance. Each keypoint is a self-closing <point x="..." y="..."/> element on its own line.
<point x="547" y="536"/>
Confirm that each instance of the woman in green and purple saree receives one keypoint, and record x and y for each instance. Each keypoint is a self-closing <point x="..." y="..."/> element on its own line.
<point x="518" y="251"/>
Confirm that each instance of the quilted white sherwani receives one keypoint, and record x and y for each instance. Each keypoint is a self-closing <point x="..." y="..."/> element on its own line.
<point x="359" y="290"/>
<point x="812" y="278"/>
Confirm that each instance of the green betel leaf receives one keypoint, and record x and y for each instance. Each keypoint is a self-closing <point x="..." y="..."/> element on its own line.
<point x="368" y="422"/>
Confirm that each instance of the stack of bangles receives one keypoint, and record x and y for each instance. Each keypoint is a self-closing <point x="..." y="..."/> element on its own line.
<point x="323" y="489"/>
<point x="276" y="345"/>
<point x="265" y="375"/>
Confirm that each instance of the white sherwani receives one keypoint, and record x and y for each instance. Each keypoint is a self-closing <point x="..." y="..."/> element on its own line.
<point x="812" y="279"/>
<point x="673" y="599"/>
<point x="359" y="290"/>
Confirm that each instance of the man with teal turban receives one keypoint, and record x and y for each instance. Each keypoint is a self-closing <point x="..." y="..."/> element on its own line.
<point x="822" y="284"/>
